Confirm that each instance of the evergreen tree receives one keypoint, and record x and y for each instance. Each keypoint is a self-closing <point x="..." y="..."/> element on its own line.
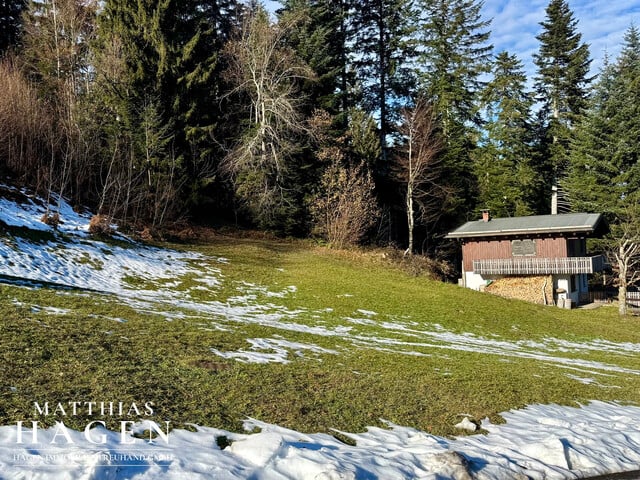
<point x="506" y="180"/>
<point x="454" y="55"/>
<point x="588" y="183"/>
<point x="320" y="41"/>
<point x="382" y="51"/>
<point x="624" y="113"/>
<point x="162" y="57"/>
<point x="603" y="173"/>
<point x="170" y="51"/>
<point x="562" y="87"/>
<point x="10" y="23"/>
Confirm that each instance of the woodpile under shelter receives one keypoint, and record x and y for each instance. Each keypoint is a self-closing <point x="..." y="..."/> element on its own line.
<point x="540" y="258"/>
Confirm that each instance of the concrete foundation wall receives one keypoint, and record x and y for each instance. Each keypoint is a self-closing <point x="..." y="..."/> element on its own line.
<point x="474" y="281"/>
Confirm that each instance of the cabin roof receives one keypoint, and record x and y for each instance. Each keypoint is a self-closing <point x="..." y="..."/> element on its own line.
<point x="568" y="223"/>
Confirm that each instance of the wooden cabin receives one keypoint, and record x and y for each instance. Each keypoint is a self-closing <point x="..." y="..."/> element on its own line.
<point x="544" y="255"/>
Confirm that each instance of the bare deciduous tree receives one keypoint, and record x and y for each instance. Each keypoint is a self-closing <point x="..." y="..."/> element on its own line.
<point x="417" y="167"/>
<point x="266" y="73"/>
<point x="625" y="253"/>
<point x="57" y="37"/>
<point x="26" y="123"/>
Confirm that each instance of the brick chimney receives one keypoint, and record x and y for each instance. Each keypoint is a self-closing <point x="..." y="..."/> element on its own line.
<point x="486" y="217"/>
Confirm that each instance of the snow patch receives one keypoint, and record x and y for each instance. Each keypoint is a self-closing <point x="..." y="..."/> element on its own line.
<point x="279" y="351"/>
<point x="28" y="211"/>
<point x="467" y="425"/>
<point x="540" y="441"/>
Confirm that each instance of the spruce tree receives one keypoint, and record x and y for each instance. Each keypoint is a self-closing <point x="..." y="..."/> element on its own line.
<point x="382" y="51"/>
<point x="160" y="60"/>
<point x="589" y="181"/>
<point x="506" y="180"/>
<point x="603" y="173"/>
<point x="603" y="169"/>
<point x="454" y="55"/>
<point x="169" y="51"/>
<point x="562" y="87"/>
<point x="320" y="41"/>
<point x="624" y="112"/>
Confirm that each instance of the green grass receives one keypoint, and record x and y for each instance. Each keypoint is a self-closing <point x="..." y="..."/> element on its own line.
<point x="164" y="354"/>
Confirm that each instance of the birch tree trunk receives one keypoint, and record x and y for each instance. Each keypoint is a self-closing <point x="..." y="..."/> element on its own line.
<point x="622" y="280"/>
<point x="418" y="166"/>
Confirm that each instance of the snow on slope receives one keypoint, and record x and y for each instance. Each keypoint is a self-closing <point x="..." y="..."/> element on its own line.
<point x="151" y="281"/>
<point x="538" y="442"/>
<point x="67" y="256"/>
<point x="19" y="208"/>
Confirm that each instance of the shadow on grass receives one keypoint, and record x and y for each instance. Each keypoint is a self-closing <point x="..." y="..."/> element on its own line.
<point x="24" y="282"/>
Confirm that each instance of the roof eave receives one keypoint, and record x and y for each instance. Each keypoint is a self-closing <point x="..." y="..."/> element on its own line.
<point x="530" y="231"/>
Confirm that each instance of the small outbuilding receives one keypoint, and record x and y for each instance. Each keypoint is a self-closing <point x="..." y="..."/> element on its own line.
<point x="541" y="258"/>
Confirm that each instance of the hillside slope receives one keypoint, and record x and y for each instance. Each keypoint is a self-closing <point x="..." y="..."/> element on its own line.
<point x="305" y="339"/>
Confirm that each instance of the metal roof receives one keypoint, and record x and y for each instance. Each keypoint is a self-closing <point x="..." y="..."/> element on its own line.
<point x="586" y="223"/>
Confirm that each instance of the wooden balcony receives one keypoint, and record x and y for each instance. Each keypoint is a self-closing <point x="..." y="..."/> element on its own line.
<point x="539" y="266"/>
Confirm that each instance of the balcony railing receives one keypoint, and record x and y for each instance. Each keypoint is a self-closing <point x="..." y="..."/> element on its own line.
<point x="539" y="266"/>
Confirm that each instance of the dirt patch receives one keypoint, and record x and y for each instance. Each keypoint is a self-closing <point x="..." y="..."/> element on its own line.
<point x="212" y="366"/>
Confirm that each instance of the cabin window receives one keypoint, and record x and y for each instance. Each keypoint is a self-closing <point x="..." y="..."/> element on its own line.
<point x="577" y="247"/>
<point x="523" y="248"/>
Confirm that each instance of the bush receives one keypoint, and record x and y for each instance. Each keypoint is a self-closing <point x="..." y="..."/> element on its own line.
<point x="345" y="208"/>
<point x="25" y="127"/>
<point x="100" y="225"/>
<point x="51" y="220"/>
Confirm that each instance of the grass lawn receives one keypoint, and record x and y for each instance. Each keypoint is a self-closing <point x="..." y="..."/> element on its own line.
<point x="362" y="341"/>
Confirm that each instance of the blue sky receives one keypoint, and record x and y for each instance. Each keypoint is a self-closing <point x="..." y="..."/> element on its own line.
<point x="602" y="24"/>
<point x="517" y="22"/>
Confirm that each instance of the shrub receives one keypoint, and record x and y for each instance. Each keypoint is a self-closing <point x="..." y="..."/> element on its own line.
<point x="345" y="208"/>
<point x="25" y="127"/>
<point x="100" y="225"/>
<point x="53" y="220"/>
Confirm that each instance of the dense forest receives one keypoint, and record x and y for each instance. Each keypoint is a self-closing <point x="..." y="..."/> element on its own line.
<point x="353" y="121"/>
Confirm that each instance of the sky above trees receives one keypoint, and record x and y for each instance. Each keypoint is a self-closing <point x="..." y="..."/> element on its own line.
<point x="602" y="24"/>
<point x="517" y="22"/>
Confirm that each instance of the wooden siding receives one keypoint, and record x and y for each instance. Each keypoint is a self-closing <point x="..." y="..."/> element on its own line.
<point x="495" y="249"/>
